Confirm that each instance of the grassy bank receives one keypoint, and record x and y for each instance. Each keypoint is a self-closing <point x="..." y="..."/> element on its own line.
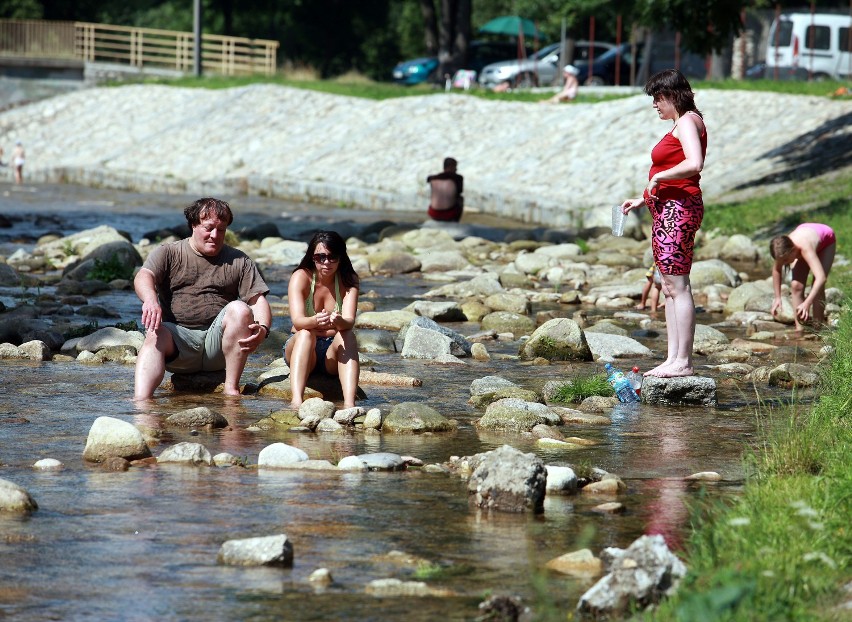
<point x="355" y="85"/>
<point x="781" y="550"/>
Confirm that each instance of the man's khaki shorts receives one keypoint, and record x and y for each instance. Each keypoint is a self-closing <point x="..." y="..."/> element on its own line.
<point x="197" y="350"/>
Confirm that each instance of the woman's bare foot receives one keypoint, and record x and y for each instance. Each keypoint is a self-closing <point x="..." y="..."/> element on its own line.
<point x="639" y="307"/>
<point x="656" y="371"/>
<point x="676" y="370"/>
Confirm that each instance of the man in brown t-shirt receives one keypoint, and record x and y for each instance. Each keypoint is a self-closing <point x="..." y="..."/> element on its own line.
<point x="204" y="304"/>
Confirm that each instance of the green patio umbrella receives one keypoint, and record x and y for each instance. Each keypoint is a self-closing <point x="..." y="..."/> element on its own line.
<point x="511" y="25"/>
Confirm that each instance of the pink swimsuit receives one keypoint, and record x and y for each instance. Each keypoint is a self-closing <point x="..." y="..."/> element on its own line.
<point x="825" y="233"/>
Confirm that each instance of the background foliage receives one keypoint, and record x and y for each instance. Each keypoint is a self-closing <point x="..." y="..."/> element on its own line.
<point x="370" y="36"/>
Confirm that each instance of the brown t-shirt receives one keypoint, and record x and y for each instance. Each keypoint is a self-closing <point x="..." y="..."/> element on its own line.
<point x="193" y="288"/>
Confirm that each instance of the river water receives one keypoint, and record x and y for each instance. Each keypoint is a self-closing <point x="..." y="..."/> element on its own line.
<point x="142" y="544"/>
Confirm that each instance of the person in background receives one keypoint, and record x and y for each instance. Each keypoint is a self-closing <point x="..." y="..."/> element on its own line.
<point x="204" y="304"/>
<point x="673" y="197"/>
<point x="810" y="247"/>
<point x="18" y="159"/>
<point x="447" y="198"/>
<point x="569" y="89"/>
<point x="323" y="299"/>
<point x="651" y="289"/>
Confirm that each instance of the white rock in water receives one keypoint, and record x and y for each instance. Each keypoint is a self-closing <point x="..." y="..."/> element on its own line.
<point x="48" y="464"/>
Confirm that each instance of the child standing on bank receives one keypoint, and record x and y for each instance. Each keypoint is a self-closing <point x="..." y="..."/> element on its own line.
<point x="809" y="248"/>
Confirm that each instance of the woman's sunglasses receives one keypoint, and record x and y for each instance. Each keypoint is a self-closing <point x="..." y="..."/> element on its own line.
<point x="325" y="258"/>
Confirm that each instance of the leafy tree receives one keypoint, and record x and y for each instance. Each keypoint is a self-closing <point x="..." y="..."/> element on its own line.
<point x="21" y="9"/>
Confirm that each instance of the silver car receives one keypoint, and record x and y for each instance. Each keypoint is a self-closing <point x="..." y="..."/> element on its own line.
<point x="542" y="68"/>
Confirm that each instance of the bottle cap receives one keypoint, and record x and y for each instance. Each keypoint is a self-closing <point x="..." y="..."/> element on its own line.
<point x="636" y="369"/>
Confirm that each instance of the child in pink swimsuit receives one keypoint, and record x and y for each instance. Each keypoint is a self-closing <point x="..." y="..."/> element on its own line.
<point x="810" y="247"/>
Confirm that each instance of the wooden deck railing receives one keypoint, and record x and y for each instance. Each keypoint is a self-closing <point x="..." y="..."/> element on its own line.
<point x="138" y="47"/>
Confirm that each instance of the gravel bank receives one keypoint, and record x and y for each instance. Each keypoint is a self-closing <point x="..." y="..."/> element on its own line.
<point x="536" y="163"/>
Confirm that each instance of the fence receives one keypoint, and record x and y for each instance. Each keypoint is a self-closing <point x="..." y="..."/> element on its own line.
<point x="138" y="47"/>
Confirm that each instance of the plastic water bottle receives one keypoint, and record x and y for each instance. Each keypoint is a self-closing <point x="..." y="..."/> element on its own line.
<point x="635" y="379"/>
<point x="620" y="384"/>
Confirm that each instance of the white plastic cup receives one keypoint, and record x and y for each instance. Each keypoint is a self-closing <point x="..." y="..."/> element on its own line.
<point x="617" y="220"/>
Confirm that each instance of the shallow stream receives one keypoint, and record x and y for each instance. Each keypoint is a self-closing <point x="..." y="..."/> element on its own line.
<point x="142" y="544"/>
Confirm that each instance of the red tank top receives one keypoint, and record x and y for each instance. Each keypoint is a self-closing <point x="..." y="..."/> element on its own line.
<point x="669" y="153"/>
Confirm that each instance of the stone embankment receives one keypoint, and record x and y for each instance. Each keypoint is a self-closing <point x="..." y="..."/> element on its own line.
<point x="536" y="163"/>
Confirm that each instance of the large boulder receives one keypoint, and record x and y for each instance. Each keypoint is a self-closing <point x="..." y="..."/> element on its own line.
<point x="416" y="417"/>
<point x="460" y="346"/>
<point x="119" y="255"/>
<point x="421" y="343"/>
<point x="686" y="390"/>
<point x="190" y="454"/>
<point x="607" y="347"/>
<point x="113" y="437"/>
<point x="516" y="415"/>
<point x="508" y="480"/>
<point x="15" y="499"/>
<point x="262" y="551"/>
<point x="713" y="272"/>
<point x="559" y="339"/>
<point x="639" y="576"/>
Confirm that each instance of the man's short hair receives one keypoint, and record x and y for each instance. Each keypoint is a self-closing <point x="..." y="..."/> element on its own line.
<point x="450" y="163"/>
<point x="204" y="208"/>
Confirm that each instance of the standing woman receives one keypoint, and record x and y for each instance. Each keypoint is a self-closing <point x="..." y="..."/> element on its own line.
<point x="673" y="197"/>
<point x="323" y="297"/>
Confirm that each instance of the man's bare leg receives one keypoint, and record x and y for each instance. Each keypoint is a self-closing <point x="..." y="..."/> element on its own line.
<point x="235" y="326"/>
<point x="151" y="362"/>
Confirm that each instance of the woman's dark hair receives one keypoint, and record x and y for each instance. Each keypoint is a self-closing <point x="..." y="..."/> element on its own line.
<point x="203" y="208"/>
<point x="673" y="85"/>
<point x="337" y="247"/>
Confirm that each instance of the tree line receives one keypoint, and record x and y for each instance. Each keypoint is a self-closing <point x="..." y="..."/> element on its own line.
<point x="370" y="36"/>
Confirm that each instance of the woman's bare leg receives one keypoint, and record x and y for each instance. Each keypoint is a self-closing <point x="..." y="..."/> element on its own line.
<point x="342" y="359"/>
<point x="680" y="327"/>
<point x="301" y="355"/>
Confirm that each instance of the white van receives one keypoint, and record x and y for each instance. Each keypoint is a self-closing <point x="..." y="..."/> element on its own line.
<point x="803" y="45"/>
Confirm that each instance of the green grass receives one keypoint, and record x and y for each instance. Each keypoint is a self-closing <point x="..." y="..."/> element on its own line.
<point x="110" y="270"/>
<point x="813" y="200"/>
<point x="782" y="550"/>
<point x="581" y="387"/>
<point x="821" y="88"/>
<point x="359" y="86"/>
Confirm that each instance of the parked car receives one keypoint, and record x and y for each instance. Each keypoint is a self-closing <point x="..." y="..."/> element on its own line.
<point x="480" y="54"/>
<point x="602" y="71"/>
<point x="540" y="68"/>
<point x="416" y="70"/>
<point x="804" y="44"/>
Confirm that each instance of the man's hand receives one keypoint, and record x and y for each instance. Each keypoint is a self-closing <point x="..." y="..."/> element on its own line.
<point x="152" y="315"/>
<point x="253" y="341"/>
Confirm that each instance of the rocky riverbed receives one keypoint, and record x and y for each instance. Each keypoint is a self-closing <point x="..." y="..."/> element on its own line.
<point x="535" y="163"/>
<point x="466" y="333"/>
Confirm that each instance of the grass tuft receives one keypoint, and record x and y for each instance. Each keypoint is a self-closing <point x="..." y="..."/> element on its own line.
<point x="579" y="388"/>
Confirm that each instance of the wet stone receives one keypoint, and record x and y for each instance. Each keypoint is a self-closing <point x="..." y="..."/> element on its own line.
<point x="687" y="390"/>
